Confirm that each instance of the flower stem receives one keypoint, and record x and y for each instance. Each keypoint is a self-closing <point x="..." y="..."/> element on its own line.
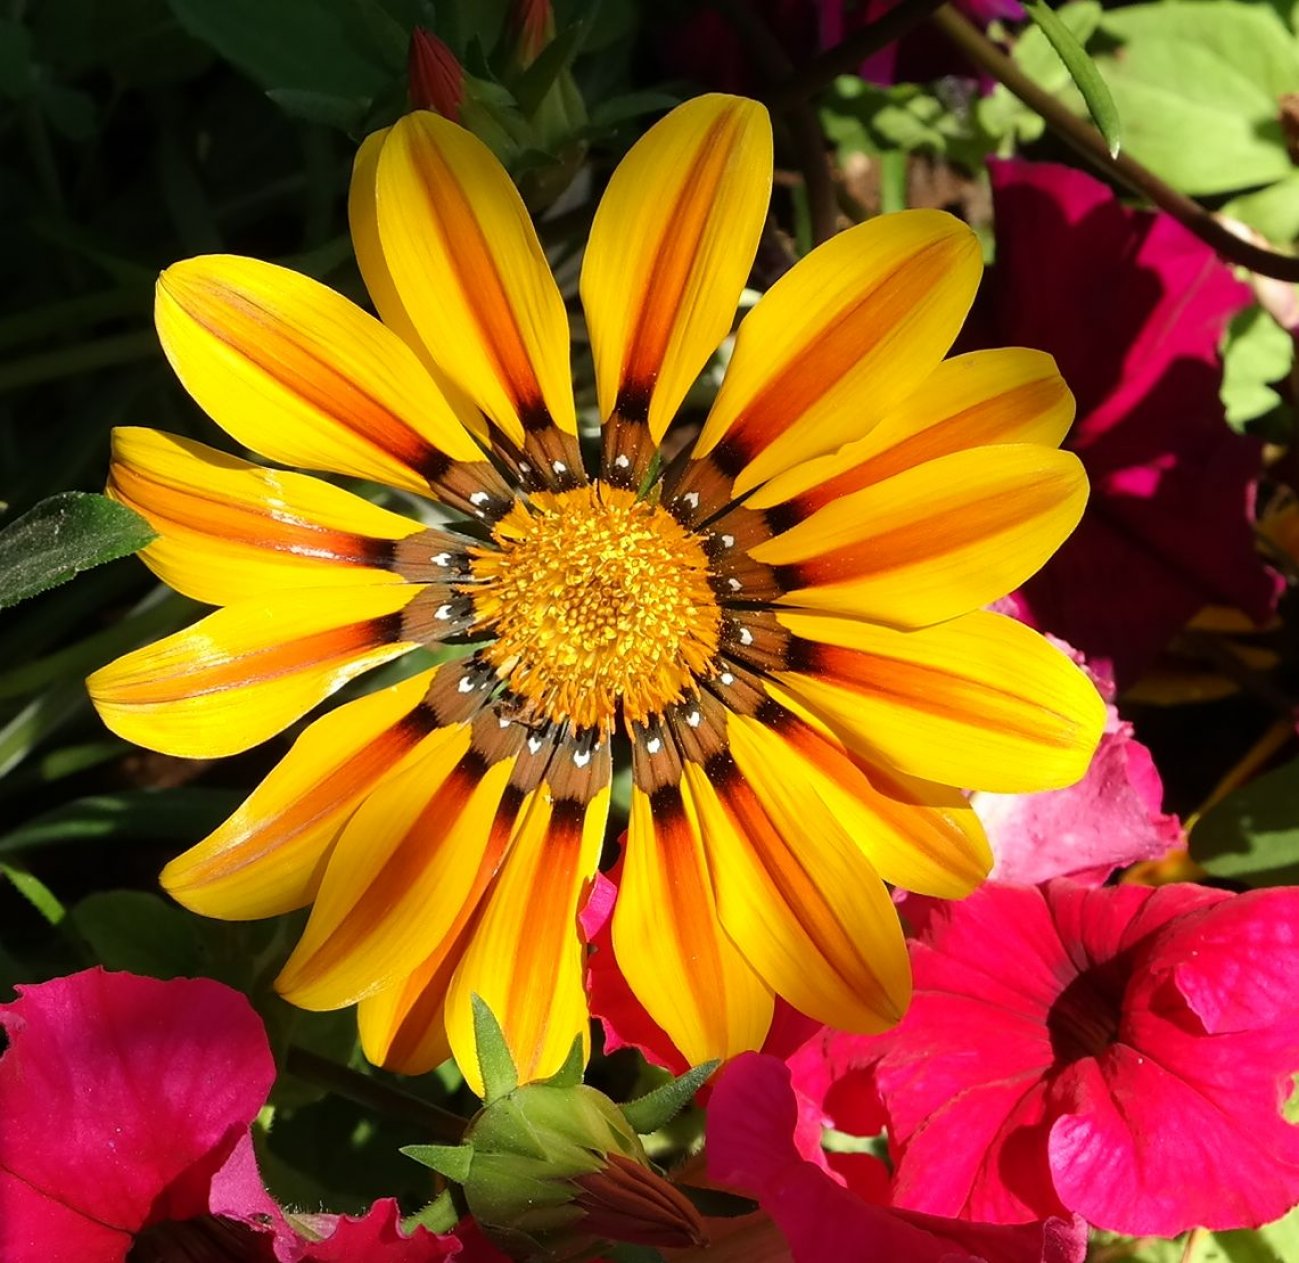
<point x="849" y="53"/>
<point x="374" y="1095"/>
<point x="1084" y="138"/>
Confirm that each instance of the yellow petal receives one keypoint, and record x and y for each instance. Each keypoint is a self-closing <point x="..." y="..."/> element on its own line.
<point x="363" y="219"/>
<point x="526" y="958"/>
<point x="229" y="530"/>
<point x="982" y="702"/>
<point x="935" y="541"/>
<point x="298" y="373"/>
<point x="917" y="835"/>
<point x="471" y="275"/>
<point x="269" y="856"/>
<point x="402" y="1028"/>
<point x="1010" y="395"/>
<point x="670" y="250"/>
<point x="246" y="672"/>
<point x="839" y="340"/>
<point x="409" y="868"/>
<point x="804" y="905"/>
<point x="670" y="946"/>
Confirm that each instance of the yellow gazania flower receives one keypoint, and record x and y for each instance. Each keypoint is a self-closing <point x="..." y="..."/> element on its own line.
<point x="786" y="624"/>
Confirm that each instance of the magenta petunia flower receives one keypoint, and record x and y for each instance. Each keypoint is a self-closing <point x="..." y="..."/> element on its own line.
<point x="1111" y="818"/>
<point x="1132" y="306"/>
<point x="1120" y="1052"/>
<point x="126" y="1104"/>
<point x="764" y="1140"/>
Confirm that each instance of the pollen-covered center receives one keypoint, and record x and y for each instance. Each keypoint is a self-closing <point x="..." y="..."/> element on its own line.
<point x="595" y="598"/>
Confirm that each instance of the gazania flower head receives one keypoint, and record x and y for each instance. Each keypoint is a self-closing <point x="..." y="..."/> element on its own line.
<point x="784" y="625"/>
<point x="1098" y="1050"/>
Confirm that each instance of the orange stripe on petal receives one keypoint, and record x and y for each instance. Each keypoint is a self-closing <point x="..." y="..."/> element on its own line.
<point x="670" y="945"/>
<point x="471" y="275"/>
<point x="526" y="957"/>
<point x="363" y="219"/>
<point x="1009" y="395"/>
<point x="935" y="541"/>
<point x="981" y="702"/>
<point x="246" y="672"/>
<point x="670" y="249"/>
<point x="805" y="907"/>
<point x="269" y="856"/>
<point x="409" y="868"/>
<point x="230" y="530"/>
<point x="402" y="1028"/>
<point x="918" y="835"/>
<point x="293" y="370"/>
<point x="841" y="338"/>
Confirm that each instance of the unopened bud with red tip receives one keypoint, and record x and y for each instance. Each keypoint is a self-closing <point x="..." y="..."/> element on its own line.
<point x="554" y="1170"/>
<point x="435" y="78"/>
<point x="533" y="23"/>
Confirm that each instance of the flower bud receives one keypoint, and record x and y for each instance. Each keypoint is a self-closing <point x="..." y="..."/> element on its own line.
<point x="436" y="79"/>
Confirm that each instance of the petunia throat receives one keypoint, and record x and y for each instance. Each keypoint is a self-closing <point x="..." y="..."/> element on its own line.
<point x="596" y="598"/>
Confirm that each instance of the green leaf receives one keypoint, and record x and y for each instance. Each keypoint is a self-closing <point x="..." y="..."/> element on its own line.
<point x="1276" y="1242"/>
<point x="35" y="891"/>
<point x="453" y="1161"/>
<point x="1082" y="70"/>
<point x="551" y="62"/>
<point x="138" y="932"/>
<point x="656" y="1109"/>
<point x="306" y="45"/>
<point x="345" y="113"/>
<point x="182" y="814"/>
<point x="1197" y="84"/>
<point x="63" y="536"/>
<point x="1252" y="835"/>
<point x="495" y="1064"/>
<point x="1256" y="353"/>
<point x="1273" y="211"/>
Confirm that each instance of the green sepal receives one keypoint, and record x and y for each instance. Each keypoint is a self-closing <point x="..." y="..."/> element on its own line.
<point x="569" y="1075"/>
<point x="453" y="1161"/>
<point x="656" y="1109"/>
<point x="495" y="1064"/>
<point x="440" y="1215"/>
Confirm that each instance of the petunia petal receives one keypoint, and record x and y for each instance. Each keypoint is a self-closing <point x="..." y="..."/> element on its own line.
<point x="669" y="944"/>
<point x="246" y="672"/>
<point x="935" y="541"/>
<point x="815" y="922"/>
<point x="669" y="252"/>
<point x="979" y="702"/>
<point x="409" y="867"/>
<point x="119" y="1095"/>
<point x="1008" y="395"/>
<point x="838" y="341"/>
<point x="229" y="530"/>
<point x="471" y="275"/>
<point x="298" y="373"/>
<point x="269" y="856"/>
<point x="526" y="956"/>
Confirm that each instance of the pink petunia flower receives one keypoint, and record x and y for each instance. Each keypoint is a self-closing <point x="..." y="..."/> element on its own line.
<point x="1111" y="818"/>
<point x="1122" y="1053"/>
<point x="764" y="1140"/>
<point x="125" y="1106"/>
<point x="1133" y="307"/>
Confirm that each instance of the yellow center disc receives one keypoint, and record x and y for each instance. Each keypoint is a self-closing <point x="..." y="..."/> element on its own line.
<point x="595" y="598"/>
